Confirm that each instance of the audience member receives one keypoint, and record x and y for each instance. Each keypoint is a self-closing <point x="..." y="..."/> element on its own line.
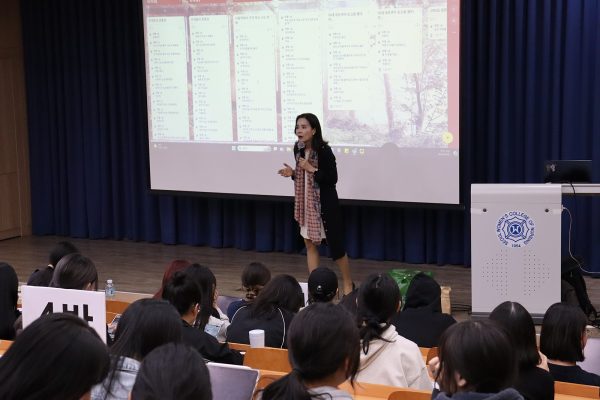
<point x="272" y="311"/>
<point x="145" y="325"/>
<point x="322" y="285"/>
<point x="421" y="319"/>
<point x="476" y="361"/>
<point x="174" y="266"/>
<point x="386" y="358"/>
<point x="185" y="295"/>
<point x="57" y="357"/>
<point x="172" y="372"/>
<point x="562" y="340"/>
<point x="75" y="271"/>
<point x="210" y="319"/>
<point x="323" y="351"/>
<point x="254" y="277"/>
<point x="534" y="382"/>
<point x="9" y="288"/>
<point x="43" y="275"/>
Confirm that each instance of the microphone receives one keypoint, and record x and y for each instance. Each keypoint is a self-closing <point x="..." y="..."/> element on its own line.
<point x="301" y="147"/>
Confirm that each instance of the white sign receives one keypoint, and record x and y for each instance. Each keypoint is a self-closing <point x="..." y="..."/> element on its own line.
<point x="87" y="305"/>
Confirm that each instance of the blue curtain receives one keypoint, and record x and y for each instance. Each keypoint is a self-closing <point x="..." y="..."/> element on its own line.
<point x="530" y="84"/>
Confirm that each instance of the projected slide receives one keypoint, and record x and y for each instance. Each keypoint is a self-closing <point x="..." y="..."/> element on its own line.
<point x="227" y="78"/>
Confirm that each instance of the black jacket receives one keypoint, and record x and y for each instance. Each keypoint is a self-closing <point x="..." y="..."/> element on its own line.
<point x="209" y="347"/>
<point x="275" y="324"/>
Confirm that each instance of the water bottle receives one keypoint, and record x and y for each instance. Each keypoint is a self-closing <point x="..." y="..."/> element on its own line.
<point x="109" y="289"/>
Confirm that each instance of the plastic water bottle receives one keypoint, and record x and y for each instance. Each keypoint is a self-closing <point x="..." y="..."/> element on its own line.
<point x="109" y="290"/>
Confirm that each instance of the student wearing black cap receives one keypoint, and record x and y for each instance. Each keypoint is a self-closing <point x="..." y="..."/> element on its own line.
<point x="322" y="285"/>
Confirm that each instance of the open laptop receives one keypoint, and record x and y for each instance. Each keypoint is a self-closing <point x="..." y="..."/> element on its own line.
<point x="232" y="382"/>
<point x="568" y="171"/>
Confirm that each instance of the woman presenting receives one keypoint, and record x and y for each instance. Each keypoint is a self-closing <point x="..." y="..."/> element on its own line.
<point x="316" y="204"/>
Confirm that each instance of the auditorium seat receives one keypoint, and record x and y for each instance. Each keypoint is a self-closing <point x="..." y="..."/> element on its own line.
<point x="267" y="358"/>
<point x="575" y="389"/>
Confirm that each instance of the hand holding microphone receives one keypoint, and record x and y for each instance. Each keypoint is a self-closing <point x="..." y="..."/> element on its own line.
<point x="302" y="161"/>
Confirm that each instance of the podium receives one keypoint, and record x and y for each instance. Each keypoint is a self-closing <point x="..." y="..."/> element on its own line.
<point x="516" y="246"/>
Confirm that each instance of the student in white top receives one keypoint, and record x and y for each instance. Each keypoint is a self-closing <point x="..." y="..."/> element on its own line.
<point x="386" y="358"/>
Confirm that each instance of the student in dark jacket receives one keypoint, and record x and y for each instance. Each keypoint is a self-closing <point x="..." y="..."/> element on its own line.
<point x="185" y="295"/>
<point x="534" y="381"/>
<point x="43" y="275"/>
<point x="421" y="319"/>
<point x="9" y="287"/>
<point x="272" y="311"/>
<point x="254" y="277"/>
<point x="562" y="340"/>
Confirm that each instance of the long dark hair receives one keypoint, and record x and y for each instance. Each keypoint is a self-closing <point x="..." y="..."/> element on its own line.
<point x="283" y="291"/>
<point x="378" y="300"/>
<point x="9" y="287"/>
<point x="57" y="357"/>
<point x="145" y="325"/>
<point x="322" y="339"/>
<point x="75" y="271"/>
<point x="317" y="140"/>
<point x="480" y="352"/>
<point x="173" y="371"/>
<point x="563" y="327"/>
<point x="517" y="322"/>
<point x="207" y="282"/>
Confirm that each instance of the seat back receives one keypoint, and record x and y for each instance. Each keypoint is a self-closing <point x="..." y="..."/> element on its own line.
<point x="575" y="389"/>
<point x="267" y="358"/>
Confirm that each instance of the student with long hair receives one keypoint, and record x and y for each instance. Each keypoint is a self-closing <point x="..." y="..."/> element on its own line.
<point x="533" y="381"/>
<point x="185" y="295"/>
<point x="145" y="325"/>
<point x="43" y="275"/>
<point x="254" y="277"/>
<point x="57" y="357"/>
<point x="9" y="288"/>
<point x="323" y="351"/>
<point x="476" y="361"/>
<point x="272" y="311"/>
<point x="316" y="204"/>
<point x="386" y="358"/>
<point x="173" y="371"/>
<point x="562" y="340"/>
<point x="211" y="318"/>
<point x="75" y="271"/>
<point x="174" y="266"/>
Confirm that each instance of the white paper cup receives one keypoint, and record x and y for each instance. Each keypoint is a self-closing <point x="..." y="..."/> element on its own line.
<point x="257" y="338"/>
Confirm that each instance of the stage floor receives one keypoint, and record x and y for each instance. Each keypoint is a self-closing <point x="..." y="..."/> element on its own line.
<point x="139" y="266"/>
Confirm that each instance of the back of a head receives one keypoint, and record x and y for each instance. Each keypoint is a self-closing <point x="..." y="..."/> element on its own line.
<point x="378" y="300"/>
<point x="562" y="332"/>
<point x="322" y="339"/>
<point x="145" y="325"/>
<point x="75" y="271"/>
<point x="59" y="251"/>
<point x="518" y="324"/>
<point x="424" y="291"/>
<point x="283" y="291"/>
<point x="174" y="266"/>
<point x="207" y="282"/>
<point x="58" y="356"/>
<point x="9" y="287"/>
<point x="480" y="353"/>
<point x="322" y="285"/>
<point x="182" y="292"/>
<point x="254" y="277"/>
<point x="173" y="371"/>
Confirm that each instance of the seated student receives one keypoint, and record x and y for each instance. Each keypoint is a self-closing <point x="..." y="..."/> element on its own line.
<point x="174" y="266"/>
<point x="272" y="311"/>
<point x="322" y="285"/>
<point x="145" y="325"/>
<point x="57" y="357"/>
<point x="9" y="288"/>
<point x="476" y="361"/>
<point x="562" y="340"/>
<point x="386" y="358"/>
<point x="172" y="372"/>
<point x="184" y="294"/>
<point x="254" y="277"/>
<point x="43" y="275"/>
<point x="533" y="381"/>
<point x="323" y="349"/>
<point x="75" y="271"/>
<point x="210" y="319"/>
<point x="421" y="319"/>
